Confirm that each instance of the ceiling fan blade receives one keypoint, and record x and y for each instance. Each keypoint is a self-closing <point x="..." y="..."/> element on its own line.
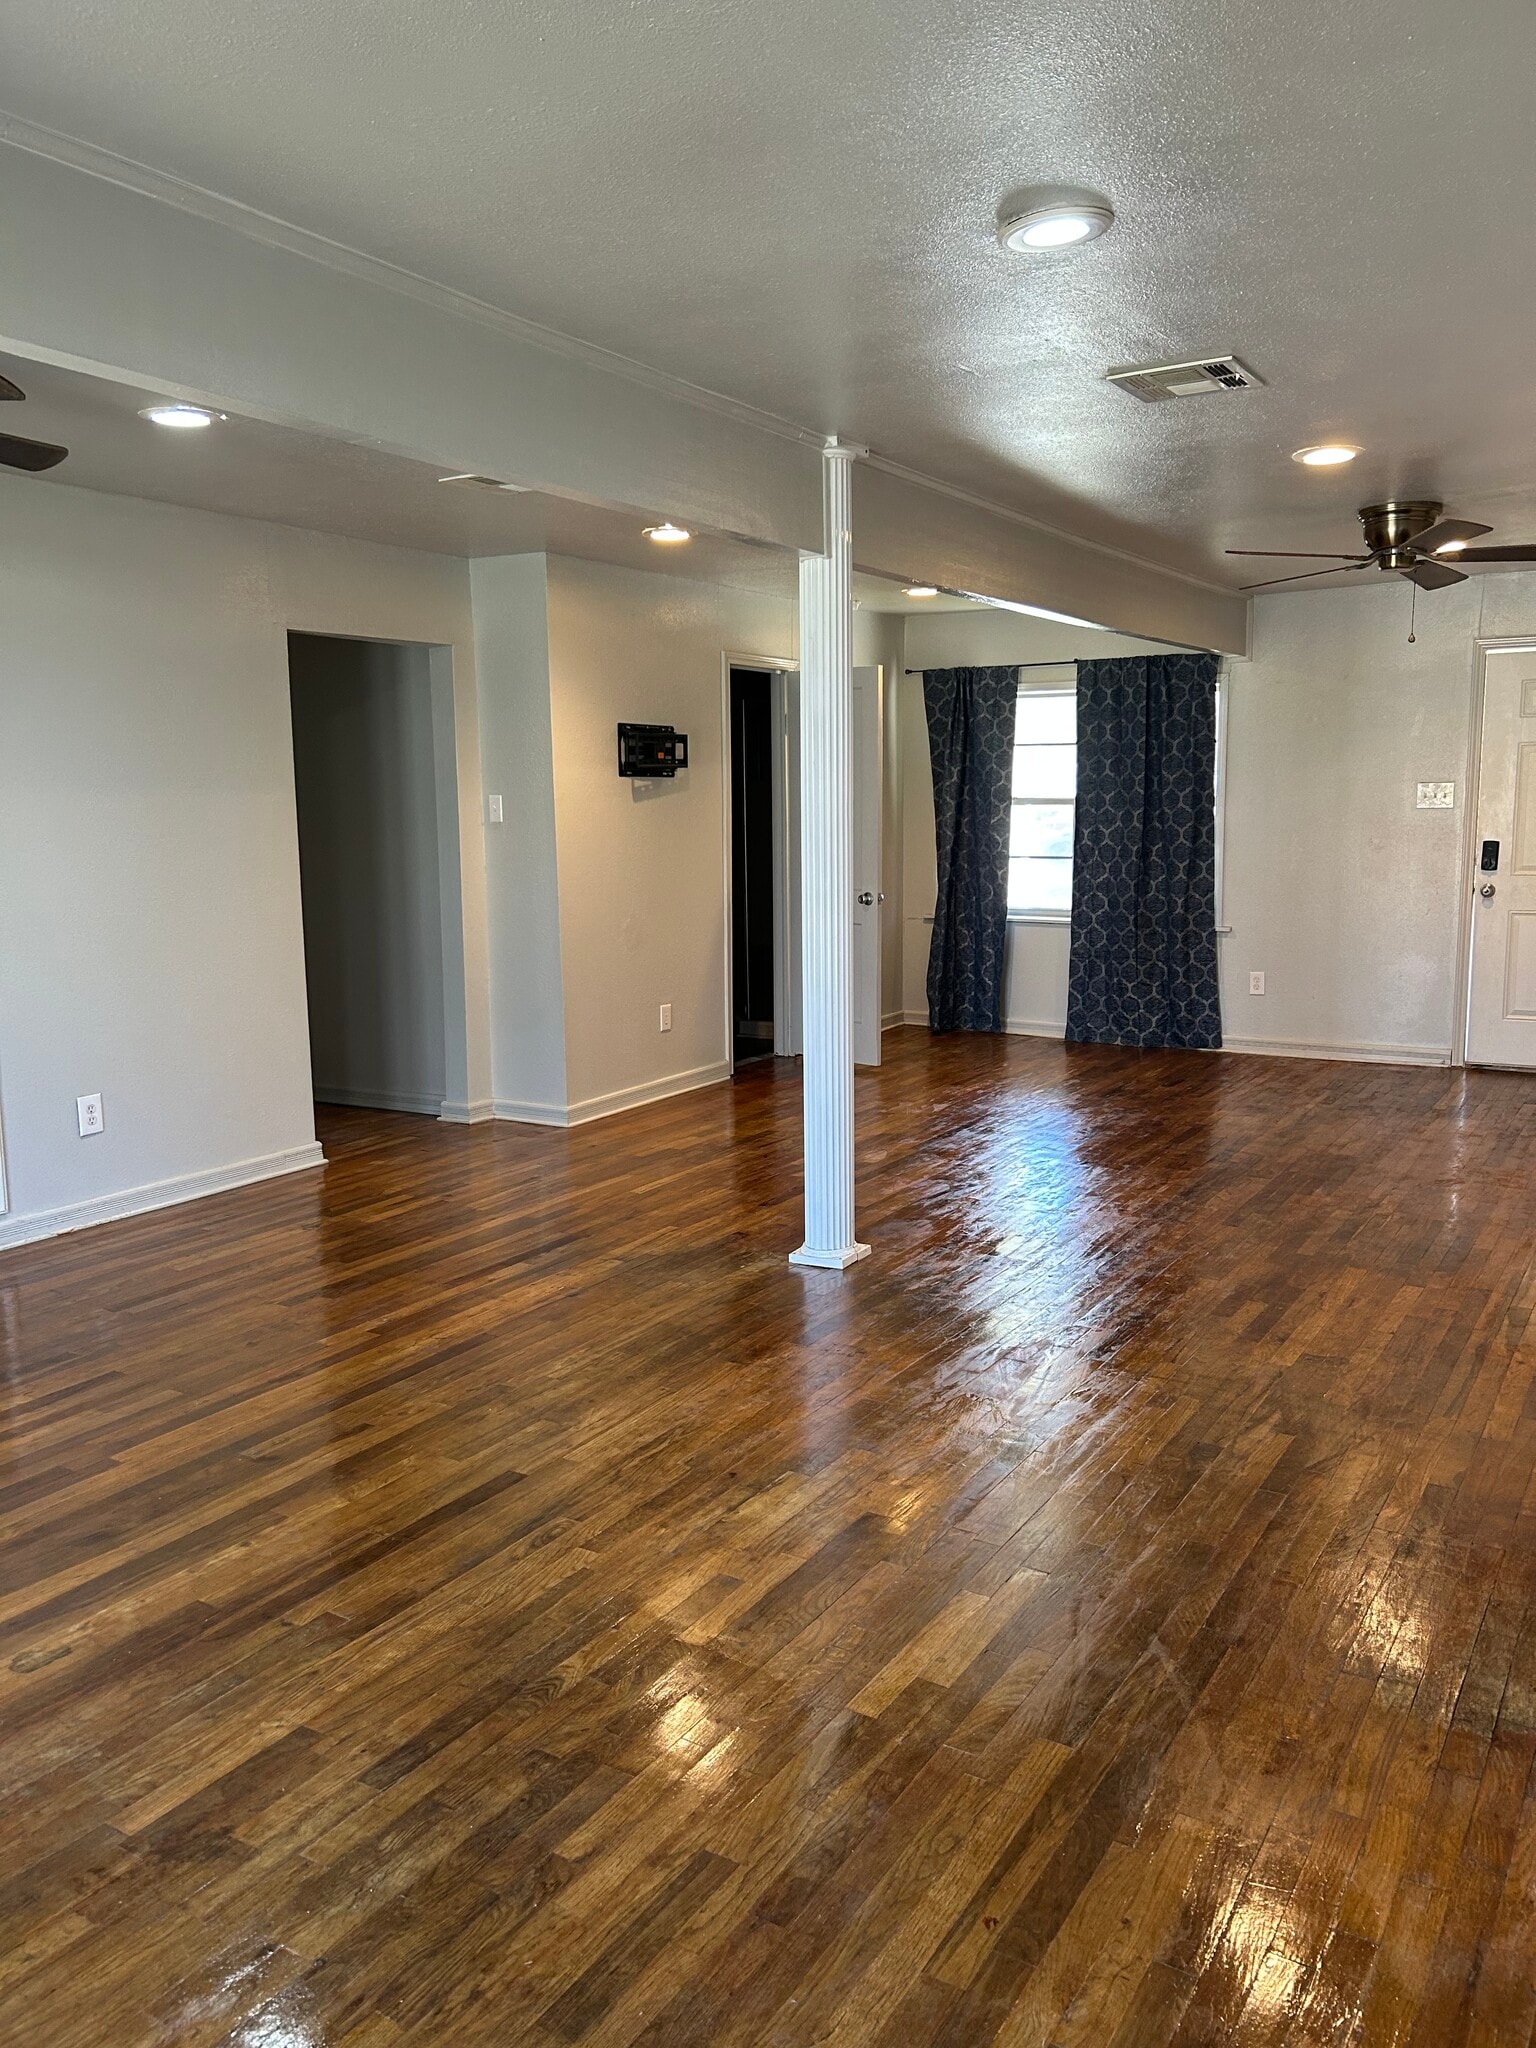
<point x="1432" y="575"/>
<point x="16" y="453"/>
<point x="1343" y="569"/>
<point x="1444" y="530"/>
<point x="10" y="390"/>
<point x="1517" y="553"/>
<point x="1299" y="555"/>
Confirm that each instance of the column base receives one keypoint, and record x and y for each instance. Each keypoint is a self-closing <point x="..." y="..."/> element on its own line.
<point x="846" y="1255"/>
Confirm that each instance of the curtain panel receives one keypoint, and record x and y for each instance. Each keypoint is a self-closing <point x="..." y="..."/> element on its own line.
<point x="1143" y="968"/>
<point x="971" y="715"/>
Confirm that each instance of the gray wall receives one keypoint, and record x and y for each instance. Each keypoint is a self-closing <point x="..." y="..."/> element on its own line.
<point x="151" y="942"/>
<point x="365" y="784"/>
<point x="1336" y="886"/>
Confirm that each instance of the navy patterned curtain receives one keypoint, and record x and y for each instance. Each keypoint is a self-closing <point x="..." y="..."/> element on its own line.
<point x="971" y="718"/>
<point x="1144" y="860"/>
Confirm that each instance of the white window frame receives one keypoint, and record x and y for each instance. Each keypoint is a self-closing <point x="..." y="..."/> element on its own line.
<point x="1060" y="680"/>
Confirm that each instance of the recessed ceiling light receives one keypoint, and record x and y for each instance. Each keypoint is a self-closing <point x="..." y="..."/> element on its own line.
<point x="666" y="533"/>
<point x="920" y="590"/>
<point x="1326" y="455"/>
<point x="183" y="416"/>
<point x="1057" y="222"/>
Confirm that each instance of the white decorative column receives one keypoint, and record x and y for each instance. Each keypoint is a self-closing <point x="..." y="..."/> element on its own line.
<point x="826" y="874"/>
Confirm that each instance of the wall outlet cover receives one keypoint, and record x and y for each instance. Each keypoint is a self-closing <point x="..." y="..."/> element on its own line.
<point x="1256" y="982"/>
<point x="88" y="1110"/>
<point x="1436" y="796"/>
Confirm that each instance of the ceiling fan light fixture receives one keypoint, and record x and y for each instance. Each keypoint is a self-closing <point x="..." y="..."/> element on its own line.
<point x="920" y="590"/>
<point x="1450" y="547"/>
<point x="182" y="417"/>
<point x="1325" y="455"/>
<point x="666" y="534"/>
<point x="1033" y="223"/>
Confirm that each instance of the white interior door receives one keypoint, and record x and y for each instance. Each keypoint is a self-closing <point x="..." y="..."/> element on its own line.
<point x="865" y="767"/>
<point x="1501" y="1007"/>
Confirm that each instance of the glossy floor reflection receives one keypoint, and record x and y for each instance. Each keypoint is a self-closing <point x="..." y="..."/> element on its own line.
<point x="486" y="1596"/>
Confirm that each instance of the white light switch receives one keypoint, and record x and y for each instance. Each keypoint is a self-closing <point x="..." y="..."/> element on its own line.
<point x="493" y="809"/>
<point x="1437" y="796"/>
<point x="88" y="1109"/>
<point x="666" y="1017"/>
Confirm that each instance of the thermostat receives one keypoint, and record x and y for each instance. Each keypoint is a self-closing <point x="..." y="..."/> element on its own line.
<point x="651" y="750"/>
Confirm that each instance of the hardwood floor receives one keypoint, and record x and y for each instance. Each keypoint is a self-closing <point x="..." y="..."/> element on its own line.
<point x="483" y="1595"/>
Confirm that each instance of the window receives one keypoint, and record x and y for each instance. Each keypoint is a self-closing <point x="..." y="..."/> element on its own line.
<point x="1044" y="802"/>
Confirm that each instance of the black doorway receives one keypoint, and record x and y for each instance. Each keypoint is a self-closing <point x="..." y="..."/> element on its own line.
<point x="752" y="865"/>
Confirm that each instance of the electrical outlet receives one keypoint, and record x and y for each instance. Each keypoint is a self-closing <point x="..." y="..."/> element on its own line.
<point x="1436" y="796"/>
<point x="1256" y="982"/>
<point x="666" y="1017"/>
<point x="88" y="1110"/>
<point x="493" y="809"/>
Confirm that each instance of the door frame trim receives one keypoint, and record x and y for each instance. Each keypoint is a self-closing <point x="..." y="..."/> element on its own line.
<point x="1518" y="643"/>
<point x="776" y="666"/>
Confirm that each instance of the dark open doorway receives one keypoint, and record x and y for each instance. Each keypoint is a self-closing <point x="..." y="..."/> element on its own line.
<point x="369" y="870"/>
<point x="753" y="864"/>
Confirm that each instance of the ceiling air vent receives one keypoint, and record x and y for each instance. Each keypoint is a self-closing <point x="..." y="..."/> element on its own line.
<point x="1153" y="382"/>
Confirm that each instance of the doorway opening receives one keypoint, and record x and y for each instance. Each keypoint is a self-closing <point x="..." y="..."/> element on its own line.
<point x="755" y="863"/>
<point x="367" y="781"/>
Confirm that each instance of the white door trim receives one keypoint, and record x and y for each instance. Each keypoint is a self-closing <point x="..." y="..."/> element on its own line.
<point x="1520" y="643"/>
<point x="775" y="665"/>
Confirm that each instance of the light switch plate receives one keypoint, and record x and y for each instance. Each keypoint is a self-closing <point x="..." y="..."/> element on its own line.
<point x="666" y="1017"/>
<point x="1437" y="796"/>
<point x="493" y="809"/>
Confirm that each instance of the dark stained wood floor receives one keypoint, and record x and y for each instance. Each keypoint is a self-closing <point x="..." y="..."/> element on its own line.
<point x="484" y="1595"/>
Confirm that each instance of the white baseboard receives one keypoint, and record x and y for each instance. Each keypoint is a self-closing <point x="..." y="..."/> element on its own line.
<point x="1015" y="1027"/>
<point x="892" y="1018"/>
<point x="156" y="1194"/>
<point x="480" y="1112"/>
<point x="1370" y="1055"/>
<point x="595" y="1106"/>
<point x="379" y="1098"/>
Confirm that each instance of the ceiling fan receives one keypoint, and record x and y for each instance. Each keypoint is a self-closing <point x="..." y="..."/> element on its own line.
<point x="16" y="452"/>
<point x="1407" y="536"/>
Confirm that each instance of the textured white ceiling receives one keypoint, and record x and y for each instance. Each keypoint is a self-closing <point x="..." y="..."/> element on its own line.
<point x="253" y="469"/>
<point x="794" y="205"/>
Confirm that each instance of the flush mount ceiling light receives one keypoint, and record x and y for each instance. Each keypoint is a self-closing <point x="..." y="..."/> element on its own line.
<point x="920" y="590"/>
<point x="1325" y="455"/>
<point x="1450" y="547"/>
<point x="666" y="534"/>
<point x="182" y="416"/>
<point x="1059" y="218"/>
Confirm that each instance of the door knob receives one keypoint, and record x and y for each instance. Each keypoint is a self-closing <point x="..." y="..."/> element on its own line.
<point x="1487" y="890"/>
<point x="865" y="897"/>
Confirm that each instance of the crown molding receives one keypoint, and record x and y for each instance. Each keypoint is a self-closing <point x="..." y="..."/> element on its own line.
<point x="216" y="207"/>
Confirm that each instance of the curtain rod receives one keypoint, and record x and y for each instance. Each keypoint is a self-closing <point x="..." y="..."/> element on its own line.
<point x="1067" y="661"/>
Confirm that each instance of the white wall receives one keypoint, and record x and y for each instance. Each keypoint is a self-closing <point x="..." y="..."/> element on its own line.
<point x="1345" y="894"/>
<point x="642" y="864"/>
<point x="1036" y="994"/>
<point x="522" y="881"/>
<point x="1335" y="885"/>
<point x="369" y="880"/>
<point x="150" y="933"/>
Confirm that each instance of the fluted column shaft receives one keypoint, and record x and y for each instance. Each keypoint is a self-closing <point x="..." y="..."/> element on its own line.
<point x="826" y="875"/>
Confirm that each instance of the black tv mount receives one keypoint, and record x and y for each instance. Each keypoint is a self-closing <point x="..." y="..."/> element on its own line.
<point x="651" y="750"/>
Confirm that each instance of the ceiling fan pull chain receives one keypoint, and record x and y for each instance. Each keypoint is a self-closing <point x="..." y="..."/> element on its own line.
<point x="1413" y="612"/>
